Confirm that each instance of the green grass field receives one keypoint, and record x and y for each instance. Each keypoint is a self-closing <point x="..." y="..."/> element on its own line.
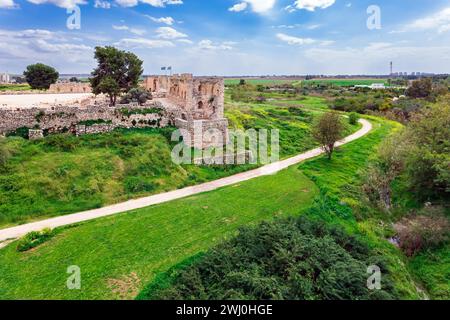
<point x="252" y="81"/>
<point x="336" y="82"/>
<point x="119" y="255"/>
<point x="14" y="87"/>
<point x="342" y="82"/>
<point x="130" y="249"/>
<point x="62" y="174"/>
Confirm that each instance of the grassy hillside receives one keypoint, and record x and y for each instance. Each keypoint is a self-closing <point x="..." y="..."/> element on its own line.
<point x="119" y="255"/>
<point x="338" y="203"/>
<point x="293" y="118"/>
<point x="63" y="174"/>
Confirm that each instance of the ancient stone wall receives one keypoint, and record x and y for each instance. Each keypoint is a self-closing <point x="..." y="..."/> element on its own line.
<point x="70" y="87"/>
<point x="195" y="104"/>
<point x="66" y="118"/>
<point x="199" y="101"/>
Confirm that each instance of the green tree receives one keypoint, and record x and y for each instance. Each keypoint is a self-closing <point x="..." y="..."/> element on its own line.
<point x="117" y="72"/>
<point x="428" y="158"/>
<point x="385" y="169"/>
<point x="420" y="88"/>
<point x="353" y="118"/>
<point x="327" y="131"/>
<point x="40" y="76"/>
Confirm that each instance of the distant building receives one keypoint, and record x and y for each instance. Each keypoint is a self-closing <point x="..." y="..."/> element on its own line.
<point x="5" y="78"/>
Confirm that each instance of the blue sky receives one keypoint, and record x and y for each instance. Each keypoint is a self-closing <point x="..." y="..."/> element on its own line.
<point x="231" y="37"/>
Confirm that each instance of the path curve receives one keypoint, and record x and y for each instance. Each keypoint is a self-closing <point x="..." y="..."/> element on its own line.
<point x="19" y="231"/>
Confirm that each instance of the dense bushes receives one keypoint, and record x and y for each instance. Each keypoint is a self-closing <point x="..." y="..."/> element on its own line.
<point x="33" y="239"/>
<point x="420" y="153"/>
<point x="293" y="258"/>
<point x="5" y="153"/>
<point x="421" y="232"/>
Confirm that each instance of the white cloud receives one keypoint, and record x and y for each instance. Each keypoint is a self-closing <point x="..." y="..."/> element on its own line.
<point x="60" y="3"/>
<point x="143" y="43"/>
<point x="258" y="6"/>
<point x="166" y="20"/>
<point x="127" y="3"/>
<point x="311" y="5"/>
<point x="102" y="4"/>
<point x="186" y="41"/>
<point x="23" y="47"/>
<point x="238" y="7"/>
<point x="294" y="40"/>
<point x="169" y="33"/>
<point x="210" y="45"/>
<point x="8" y="4"/>
<point x="137" y="31"/>
<point x="374" y="58"/>
<point x="291" y="40"/>
<point x="439" y="21"/>
<point x="153" y="3"/>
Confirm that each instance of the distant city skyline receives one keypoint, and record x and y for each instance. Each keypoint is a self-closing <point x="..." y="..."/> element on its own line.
<point x="231" y="37"/>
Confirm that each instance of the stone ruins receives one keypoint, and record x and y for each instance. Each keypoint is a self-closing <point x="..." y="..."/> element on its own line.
<point x="197" y="104"/>
<point x="70" y="87"/>
<point x="189" y="103"/>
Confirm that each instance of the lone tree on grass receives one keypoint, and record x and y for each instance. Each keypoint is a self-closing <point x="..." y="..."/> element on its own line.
<point x="327" y="131"/>
<point x="39" y="76"/>
<point x="117" y="72"/>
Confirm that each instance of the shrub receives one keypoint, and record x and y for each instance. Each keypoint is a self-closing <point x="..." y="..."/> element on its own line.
<point x="5" y="153"/>
<point x="293" y="258"/>
<point x="353" y="118"/>
<point x="20" y="132"/>
<point x="422" y="232"/>
<point x="62" y="142"/>
<point x="33" y="239"/>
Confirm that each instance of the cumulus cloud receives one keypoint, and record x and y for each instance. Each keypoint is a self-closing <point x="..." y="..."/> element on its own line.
<point x="439" y="21"/>
<point x="166" y="20"/>
<point x="102" y="4"/>
<point x="8" y="4"/>
<point x="310" y="5"/>
<point x="60" y="3"/>
<point x="137" y="31"/>
<point x="22" y="47"/>
<point x="153" y="3"/>
<point x="169" y="33"/>
<point x="238" y="7"/>
<point x="144" y="43"/>
<point x="258" y="6"/>
<point x="291" y="40"/>
<point x="210" y="45"/>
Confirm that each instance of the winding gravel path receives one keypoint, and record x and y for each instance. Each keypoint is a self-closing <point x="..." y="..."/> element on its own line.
<point x="19" y="231"/>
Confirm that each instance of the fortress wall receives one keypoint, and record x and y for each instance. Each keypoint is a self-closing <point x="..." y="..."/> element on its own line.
<point x="63" y="118"/>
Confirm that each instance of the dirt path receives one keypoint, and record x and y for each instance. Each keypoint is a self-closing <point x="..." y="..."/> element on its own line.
<point x="19" y="231"/>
